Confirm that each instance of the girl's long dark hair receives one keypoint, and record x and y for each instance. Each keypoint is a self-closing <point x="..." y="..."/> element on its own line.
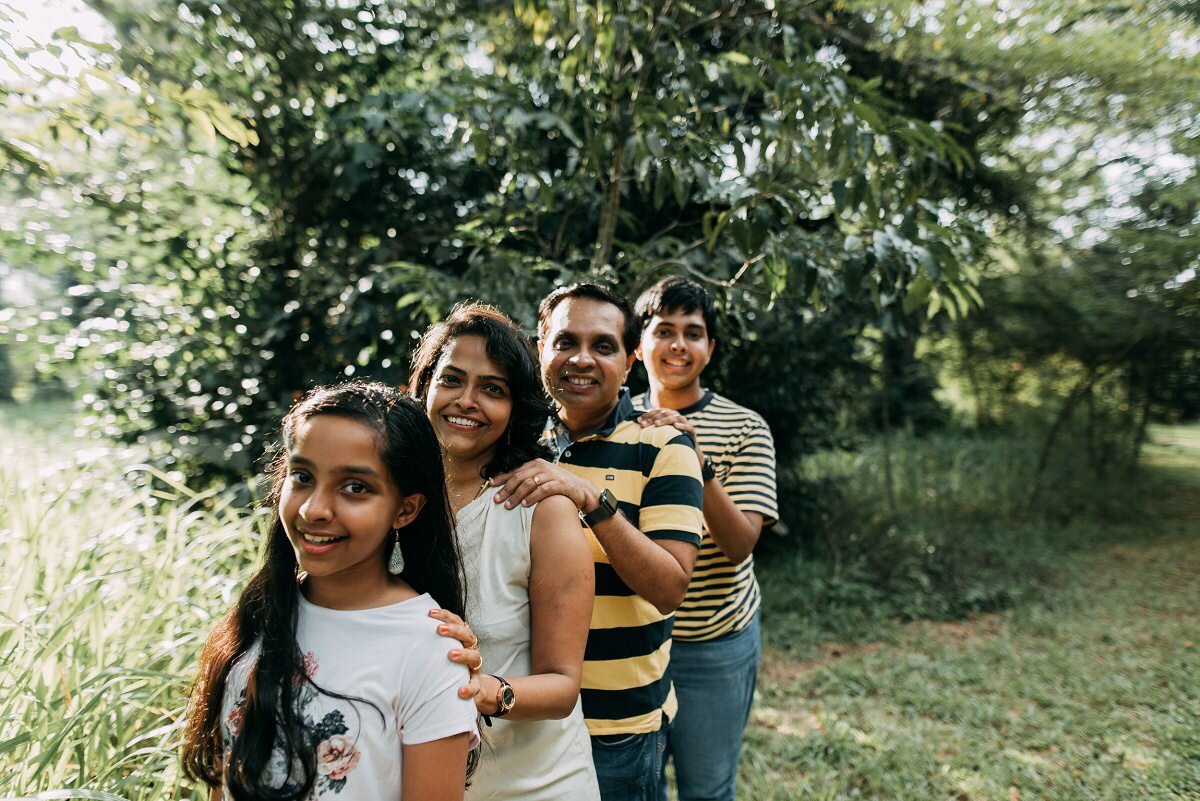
<point x="267" y="609"/>
<point x="513" y="353"/>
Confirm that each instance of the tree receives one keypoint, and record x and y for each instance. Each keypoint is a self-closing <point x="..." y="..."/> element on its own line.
<point x="1082" y="112"/>
<point x="376" y="162"/>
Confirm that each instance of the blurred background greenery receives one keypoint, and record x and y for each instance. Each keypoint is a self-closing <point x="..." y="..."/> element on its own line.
<point x="954" y="246"/>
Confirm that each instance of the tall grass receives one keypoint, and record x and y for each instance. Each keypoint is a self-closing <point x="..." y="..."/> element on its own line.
<point x="107" y="590"/>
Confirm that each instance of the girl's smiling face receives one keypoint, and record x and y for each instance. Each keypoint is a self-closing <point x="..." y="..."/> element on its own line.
<point x="339" y="503"/>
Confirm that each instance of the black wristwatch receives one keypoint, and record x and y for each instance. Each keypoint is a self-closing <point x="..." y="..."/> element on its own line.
<point x="707" y="471"/>
<point x="606" y="509"/>
<point x="506" y="699"/>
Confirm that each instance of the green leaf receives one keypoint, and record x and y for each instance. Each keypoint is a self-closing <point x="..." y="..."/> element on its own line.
<point x="663" y="182"/>
<point x="203" y="126"/>
<point x="839" y="195"/>
<point x="868" y="115"/>
<point x="935" y="305"/>
<point x="742" y="237"/>
<point x="409" y="299"/>
<point x="681" y="185"/>
<point x="917" y="294"/>
<point x="858" y="193"/>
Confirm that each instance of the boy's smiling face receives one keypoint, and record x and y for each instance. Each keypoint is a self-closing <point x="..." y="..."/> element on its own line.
<point x="675" y="349"/>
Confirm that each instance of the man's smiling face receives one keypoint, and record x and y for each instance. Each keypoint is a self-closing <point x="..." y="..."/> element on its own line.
<point x="583" y="360"/>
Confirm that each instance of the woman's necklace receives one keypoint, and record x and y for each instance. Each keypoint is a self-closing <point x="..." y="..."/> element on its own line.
<point x="458" y="503"/>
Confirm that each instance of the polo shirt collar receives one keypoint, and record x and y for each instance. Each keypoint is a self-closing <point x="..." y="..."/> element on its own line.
<point x="624" y="410"/>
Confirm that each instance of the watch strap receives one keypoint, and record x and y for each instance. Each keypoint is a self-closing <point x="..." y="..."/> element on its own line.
<point x="606" y="509"/>
<point x="506" y="697"/>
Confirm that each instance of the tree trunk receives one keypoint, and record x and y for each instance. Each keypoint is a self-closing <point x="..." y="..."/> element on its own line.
<point x="8" y="377"/>
<point x="612" y="202"/>
<point x="982" y="417"/>
<point x="1093" y="453"/>
<point x="885" y="420"/>
<point x="1077" y="394"/>
<point x="1139" y="435"/>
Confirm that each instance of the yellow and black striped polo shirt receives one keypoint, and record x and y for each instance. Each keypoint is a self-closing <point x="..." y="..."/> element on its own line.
<point x="722" y="597"/>
<point x="655" y="477"/>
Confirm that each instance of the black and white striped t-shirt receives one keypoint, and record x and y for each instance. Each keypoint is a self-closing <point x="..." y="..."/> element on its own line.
<point x="722" y="596"/>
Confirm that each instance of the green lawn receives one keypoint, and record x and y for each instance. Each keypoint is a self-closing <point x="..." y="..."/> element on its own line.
<point x="1091" y="692"/>
<point x="1087" y="688"/>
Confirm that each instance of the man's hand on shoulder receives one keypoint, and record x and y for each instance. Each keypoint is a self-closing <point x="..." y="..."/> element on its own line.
<point x="538" y="479"/>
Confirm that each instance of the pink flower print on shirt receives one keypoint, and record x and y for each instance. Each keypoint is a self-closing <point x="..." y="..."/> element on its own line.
<point x="336" y="757"/>
<point x="311" y="665"/>
<point x="234" y="721"/>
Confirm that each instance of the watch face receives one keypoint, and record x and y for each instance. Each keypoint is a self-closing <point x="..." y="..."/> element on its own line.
<point x="508" y="696"/>
<point x="606" y="509"/>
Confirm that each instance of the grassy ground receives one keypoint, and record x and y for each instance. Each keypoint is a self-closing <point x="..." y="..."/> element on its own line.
<point x="1091" y="692"/>
<point x="1085" y="688"/>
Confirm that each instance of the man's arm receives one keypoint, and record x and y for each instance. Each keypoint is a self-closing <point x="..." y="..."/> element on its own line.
<point x="656" y="569"/>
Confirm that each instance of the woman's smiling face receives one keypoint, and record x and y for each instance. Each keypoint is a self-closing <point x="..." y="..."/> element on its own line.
<point x="339" y="503"/>
<point x="469" y="400"/>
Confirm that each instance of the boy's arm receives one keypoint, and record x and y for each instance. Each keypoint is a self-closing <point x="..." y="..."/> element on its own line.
<point x="734" y="531"/>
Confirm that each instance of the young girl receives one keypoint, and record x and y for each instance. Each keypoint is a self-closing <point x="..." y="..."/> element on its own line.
<point x="529" y="570"/>
<point x="328" y="679"/>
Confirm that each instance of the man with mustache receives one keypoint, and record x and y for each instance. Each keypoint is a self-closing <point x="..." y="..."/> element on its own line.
<point x="639" y="492"/>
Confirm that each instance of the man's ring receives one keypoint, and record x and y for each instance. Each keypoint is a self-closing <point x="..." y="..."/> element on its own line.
<point x="537" y="481"/>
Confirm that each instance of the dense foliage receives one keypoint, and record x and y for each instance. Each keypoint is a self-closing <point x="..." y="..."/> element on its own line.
<point x="242" y="199"/>
<point x="404" y="157"/>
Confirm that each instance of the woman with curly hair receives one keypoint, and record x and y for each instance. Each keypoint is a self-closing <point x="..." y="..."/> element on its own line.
<point x="528" y="569"/>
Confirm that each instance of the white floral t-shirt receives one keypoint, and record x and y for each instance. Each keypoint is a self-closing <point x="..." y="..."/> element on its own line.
<point x="391" y="657"/>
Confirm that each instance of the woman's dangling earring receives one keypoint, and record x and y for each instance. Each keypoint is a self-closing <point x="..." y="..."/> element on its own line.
<point x="396" y="562"/>
<point x="509" y="430"/>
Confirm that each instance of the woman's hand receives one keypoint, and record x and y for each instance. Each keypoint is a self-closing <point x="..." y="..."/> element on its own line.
<point x="456" y="628"/>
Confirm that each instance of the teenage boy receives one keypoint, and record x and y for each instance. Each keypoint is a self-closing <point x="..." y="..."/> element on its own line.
<point x="639" y="493"/>
<point x="715" y="658"/>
